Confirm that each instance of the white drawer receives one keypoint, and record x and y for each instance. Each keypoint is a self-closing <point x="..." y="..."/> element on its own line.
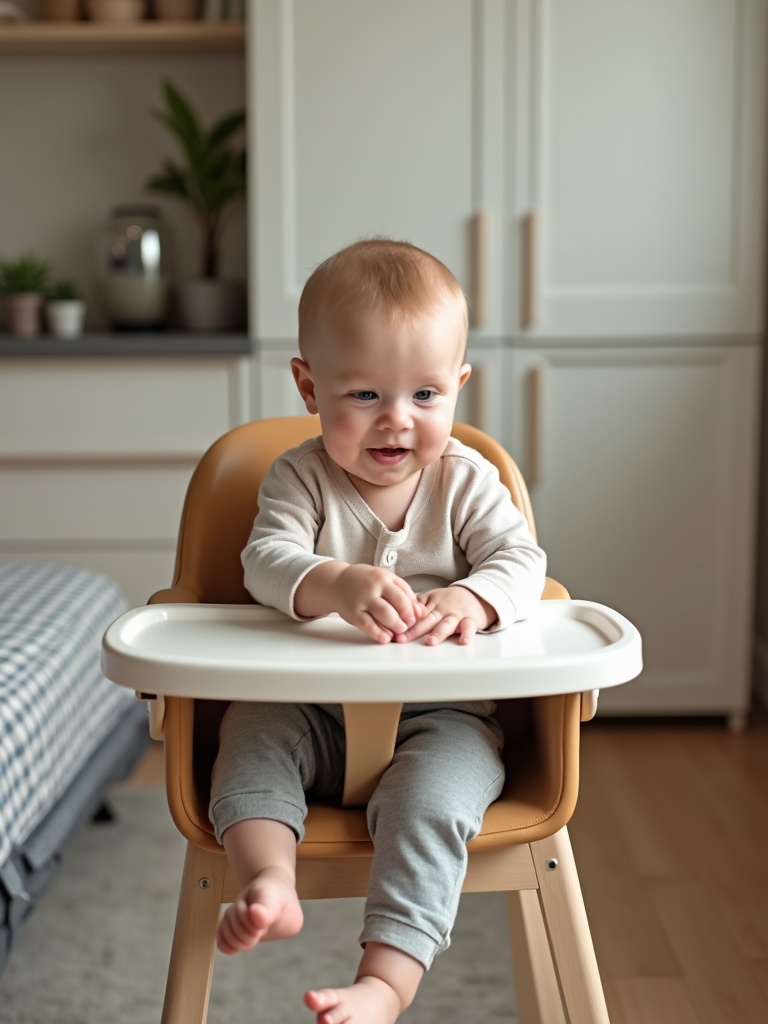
<point x="89" y="408"/>
<point x="92" y="503"/>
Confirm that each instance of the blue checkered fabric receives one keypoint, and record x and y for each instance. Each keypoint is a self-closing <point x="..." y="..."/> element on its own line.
<point x="55" y="705"/>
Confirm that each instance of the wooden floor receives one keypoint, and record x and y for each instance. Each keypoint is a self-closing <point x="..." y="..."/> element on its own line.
<point x="671" y="842"/>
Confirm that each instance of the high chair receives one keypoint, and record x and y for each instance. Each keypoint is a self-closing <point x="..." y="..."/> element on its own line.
<point x="523" y="848"/>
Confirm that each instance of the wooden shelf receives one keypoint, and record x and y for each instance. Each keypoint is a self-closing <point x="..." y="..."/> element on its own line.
<point x="102" y="38"/>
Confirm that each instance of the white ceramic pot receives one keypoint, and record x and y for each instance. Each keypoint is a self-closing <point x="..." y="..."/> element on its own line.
<point x="66" y="317"/>
<point x="211" y="304"/>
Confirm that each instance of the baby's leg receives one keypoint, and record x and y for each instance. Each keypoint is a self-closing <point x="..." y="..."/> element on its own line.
<point x="268" y="755"/>
<point x="262" y="854"/>
<point x="428" y="805"/>
<point x="385" y="986"/>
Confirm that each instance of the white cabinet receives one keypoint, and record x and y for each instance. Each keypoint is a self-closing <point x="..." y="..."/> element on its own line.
<point x="371" y="118"/>
<point x="480" y="399"/>
<point x="272" y="386"/>
<point x="635" y="142"/>
<point x="641" y="463"/>
<point x="588" y="168"/>
<point x="96" y="455"/>
<point x="594" y="171"/>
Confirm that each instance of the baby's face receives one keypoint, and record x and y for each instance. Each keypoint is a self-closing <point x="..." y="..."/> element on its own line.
<point x="386" y="391"/>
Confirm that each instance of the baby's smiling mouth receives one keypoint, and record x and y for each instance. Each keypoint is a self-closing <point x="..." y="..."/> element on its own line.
<point x="388" y="454"/>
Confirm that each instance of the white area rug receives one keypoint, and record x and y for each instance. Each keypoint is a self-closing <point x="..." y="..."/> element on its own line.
<point x="96" y="949"/>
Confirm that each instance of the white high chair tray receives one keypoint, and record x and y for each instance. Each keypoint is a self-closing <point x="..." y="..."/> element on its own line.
<point x="247" y="652"/>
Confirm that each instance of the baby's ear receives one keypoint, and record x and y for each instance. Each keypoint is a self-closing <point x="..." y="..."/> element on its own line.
<point x="464" y="373"/>
<point x="304" y="382"/>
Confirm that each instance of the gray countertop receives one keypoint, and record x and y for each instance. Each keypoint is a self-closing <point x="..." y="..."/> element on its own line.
<point x="105" y="345"/>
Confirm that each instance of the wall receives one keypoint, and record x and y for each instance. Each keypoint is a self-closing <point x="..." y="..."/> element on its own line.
<point x="77" y="138"/>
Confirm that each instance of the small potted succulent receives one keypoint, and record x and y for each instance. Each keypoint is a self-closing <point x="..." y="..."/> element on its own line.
<point x="209" y="181"/>
<point x="23" y="283"/>
<point x="65" y="310"/>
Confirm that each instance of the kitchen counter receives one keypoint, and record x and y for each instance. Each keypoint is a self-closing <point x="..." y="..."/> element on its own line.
<point x="126" y="344"/>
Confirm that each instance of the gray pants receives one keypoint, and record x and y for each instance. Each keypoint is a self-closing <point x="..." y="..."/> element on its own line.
<point x="429" y="803"/>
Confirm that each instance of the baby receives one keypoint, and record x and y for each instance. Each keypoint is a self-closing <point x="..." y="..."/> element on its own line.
<point x="388" y="521"/>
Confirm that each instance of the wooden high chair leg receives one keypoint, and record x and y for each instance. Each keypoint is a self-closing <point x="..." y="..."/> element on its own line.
<point x="570" y="940"/>
<point x="194" y="939"/>
<point x="537" y="993"/>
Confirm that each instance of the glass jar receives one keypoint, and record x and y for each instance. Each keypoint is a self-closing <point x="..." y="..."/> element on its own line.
<point x="133" y="276"/>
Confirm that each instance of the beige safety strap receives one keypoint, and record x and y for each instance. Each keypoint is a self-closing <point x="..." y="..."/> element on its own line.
<point x="371" y="733"/>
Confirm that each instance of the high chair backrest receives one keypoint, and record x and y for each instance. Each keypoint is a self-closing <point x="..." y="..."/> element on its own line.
<point x="222" y="502"/>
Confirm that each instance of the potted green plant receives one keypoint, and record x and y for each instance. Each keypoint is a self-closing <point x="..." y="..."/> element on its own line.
<point x="209" y="181"/>
<point x="23" y="282"/>
<point x="65" y="310"/>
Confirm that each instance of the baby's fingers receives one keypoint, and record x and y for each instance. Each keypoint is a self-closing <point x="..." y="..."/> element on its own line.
<point x="465" y="630"/>
<point x="402" y="609"/>
<point x="373" y="629"/>
<point x="445" y="628"/>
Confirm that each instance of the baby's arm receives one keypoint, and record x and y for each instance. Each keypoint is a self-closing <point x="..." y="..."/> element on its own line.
<point x="379" y="603"/>
<point x="506" y="567"/>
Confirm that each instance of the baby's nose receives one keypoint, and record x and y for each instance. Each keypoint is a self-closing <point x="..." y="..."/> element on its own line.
<point x="396" y="414"/>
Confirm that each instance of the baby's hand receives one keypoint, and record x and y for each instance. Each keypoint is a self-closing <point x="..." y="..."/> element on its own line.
<point x="379" y="603"/>
<point x="449" y="611"/>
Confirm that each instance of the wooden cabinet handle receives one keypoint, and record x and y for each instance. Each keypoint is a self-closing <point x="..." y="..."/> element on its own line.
<point x="480" y="397"/>
<point x="479" y="263"/>
<point x="536" y="394"/>
<point x="530" y="310"/>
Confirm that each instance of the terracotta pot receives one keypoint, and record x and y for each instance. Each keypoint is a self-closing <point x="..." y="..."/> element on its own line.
<point x="23" y="314"/>
<point x="60" y="10"/>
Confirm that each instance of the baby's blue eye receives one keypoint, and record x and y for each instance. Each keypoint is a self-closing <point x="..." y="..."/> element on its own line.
<point x="365" y="396"/>
<point x="424" y="395"/>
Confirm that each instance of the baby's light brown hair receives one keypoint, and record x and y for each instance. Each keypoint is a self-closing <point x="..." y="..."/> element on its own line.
<point x="377" y="277"/>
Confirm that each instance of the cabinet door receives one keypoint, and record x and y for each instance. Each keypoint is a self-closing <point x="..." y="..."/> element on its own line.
<point x="273" y="387"/>
<point x="96" y="456"/>
<point x="641" y="466"/>
<point x="371" y="118"/>
<point x="637" y="151"/>
<point x="480" y="399"/>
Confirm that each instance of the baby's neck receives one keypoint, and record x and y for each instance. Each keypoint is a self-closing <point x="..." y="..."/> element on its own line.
<point x="389" y="504"/>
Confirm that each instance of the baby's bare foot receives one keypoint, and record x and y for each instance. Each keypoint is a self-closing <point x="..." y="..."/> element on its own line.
<point x="369" y="1001"/>
<point x="267" y="909"/>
